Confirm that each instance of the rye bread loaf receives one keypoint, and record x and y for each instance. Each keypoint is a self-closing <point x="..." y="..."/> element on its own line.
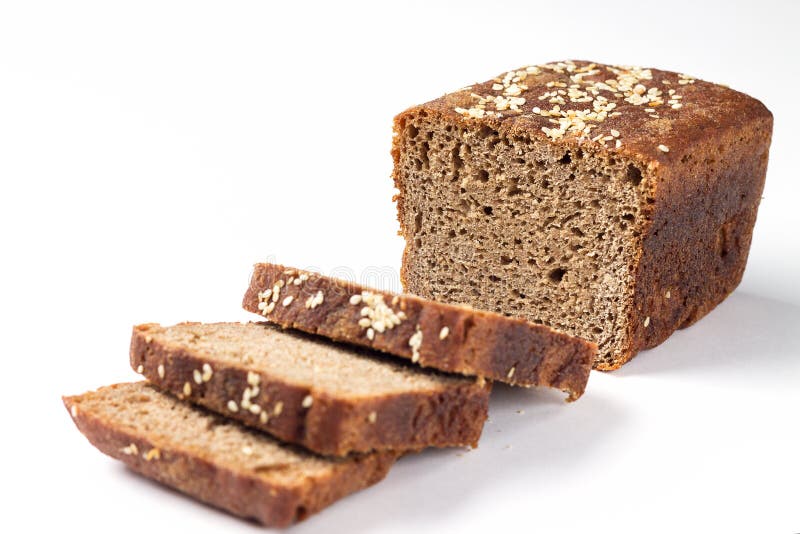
<point x="332" y="399"/>
<point x="613" y="203"/>
<point x="216" y="460"/>
<point x="450" y="338"/>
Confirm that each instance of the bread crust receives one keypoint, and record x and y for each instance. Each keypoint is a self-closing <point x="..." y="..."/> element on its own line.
<point x="705" y="165"/>
<point x="244" y="494"/>
<point x="477" y="342"/>
<point x="332" y="425"/>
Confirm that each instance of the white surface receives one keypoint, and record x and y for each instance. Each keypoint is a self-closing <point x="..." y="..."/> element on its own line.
<point x="151" y="152"/>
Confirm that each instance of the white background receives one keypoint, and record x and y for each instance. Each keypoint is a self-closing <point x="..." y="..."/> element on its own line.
<point x="151" y="151"/>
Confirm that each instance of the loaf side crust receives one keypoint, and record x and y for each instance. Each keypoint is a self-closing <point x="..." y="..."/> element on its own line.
<point x="243" y="494"/>
<point x="332" y="425"/>
<point x="450" y="338"/>
<point x="695" y="249"/>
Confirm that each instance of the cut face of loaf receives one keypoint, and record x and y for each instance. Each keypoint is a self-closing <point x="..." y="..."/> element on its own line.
<point x="214" y="459"/>
<point x="613" y="203"/>
<point x="332" y="399"/>
<point x="456" y="339"/>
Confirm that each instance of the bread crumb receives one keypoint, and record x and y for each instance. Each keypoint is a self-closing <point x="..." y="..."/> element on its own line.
<point x="130" y="450"/>
<point x="148" y="339"/>
<point x="247" y="451"/>
<point x="667" y="295"/>
<point x="74" y="411"/>
<point x="152" y="454"/>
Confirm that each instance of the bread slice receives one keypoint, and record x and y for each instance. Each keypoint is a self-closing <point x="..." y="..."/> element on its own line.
<point x="330" y="398"/>
<point x="613" y="203"/>
<point x="450" y="338"/>
<point x="216" y="460"/>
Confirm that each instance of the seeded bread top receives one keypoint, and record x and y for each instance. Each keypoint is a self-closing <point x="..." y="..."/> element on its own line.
<point x="644" y="112"/>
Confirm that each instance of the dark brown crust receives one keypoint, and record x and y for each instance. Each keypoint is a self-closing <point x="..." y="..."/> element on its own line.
<point x="479" y="343"/>
<point x="243" y="494"/>
<point x="451" y="417"/>
<point x="704" y="198"/>
<point x="697" y="244"/>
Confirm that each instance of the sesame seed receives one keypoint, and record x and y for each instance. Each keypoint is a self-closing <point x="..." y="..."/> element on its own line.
<point x="148" y="339"/>
<point x="308" y="401"/>
<point x="130" y="450"/>
<point x="255" y="409"/>
<point x="152" y="454"/>
<point x="667" y="295"/>
<point x="253" y="379"/>
<point x="663" y="148"/>
<point x="614" y="132"/>
<point x="288" y="300"/>
<point x="415" y="342"/>
<point x="373" y="416"/>
<point x="444" y="332"/>
<point x="140" y="369"/>
<point x="161" y="372"/>
<point x="263" y="418"/>
<point x="278" y="408"/>
<point x="232" y="406"/>
<point x="187" y="389"/>
<point x="355" y="299"/>
<point x="511" y="372"/>
<point x="370" y="334"/>
<point x="364" y="322"/>
<point x="247" y="451"/>
<point x="647" y="321"/>
<point x="74" y="411"/>
<point x="207" y="372"/>
<point x="198" y="376"/>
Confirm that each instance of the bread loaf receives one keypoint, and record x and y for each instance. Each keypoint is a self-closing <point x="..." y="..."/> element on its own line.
<point x="613" y="203"/>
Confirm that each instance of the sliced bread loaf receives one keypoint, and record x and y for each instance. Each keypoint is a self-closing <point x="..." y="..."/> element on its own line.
<point x="330" y="398"/>
<point x="614" y="203"/>
<point x="216" y="460"/>
<point x="442" y="336"/>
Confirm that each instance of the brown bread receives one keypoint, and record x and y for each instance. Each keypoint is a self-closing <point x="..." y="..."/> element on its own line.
<point x="450" y="338"/>
<point x="332" y="399"/>
<point x="215" y="460"/>
<point x="613" y="203"/>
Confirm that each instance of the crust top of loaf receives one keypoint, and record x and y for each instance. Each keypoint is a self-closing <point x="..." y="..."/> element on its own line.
<point x="636" y="111"/>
